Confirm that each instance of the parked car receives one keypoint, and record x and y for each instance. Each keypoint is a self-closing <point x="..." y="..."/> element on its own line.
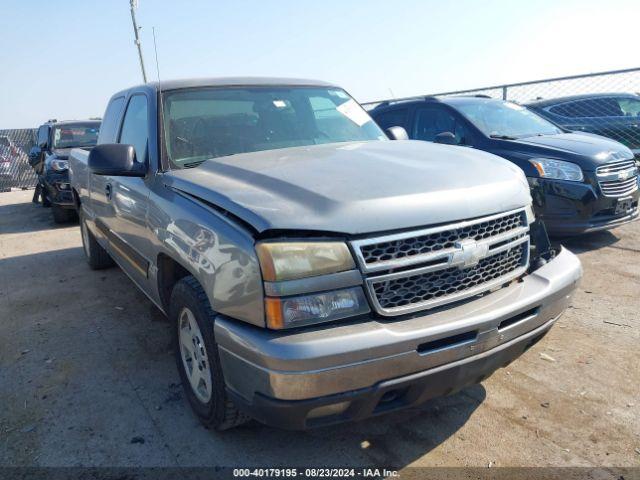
<point x="313" y="271"/>
<point x="14" y="164"/>
<point x="580" y="182"/>
<point x="612" y="115"/>
<point x="49" y="159"/>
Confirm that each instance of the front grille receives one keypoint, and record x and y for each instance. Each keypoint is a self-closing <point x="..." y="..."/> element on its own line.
<point x="616" y="167"/>
<point x="617" y="188"/>
<point x="376" y="253"/>
<point x="424" y="287"/>
<point x="617" y="179"/>
<point x="412" y="271"/>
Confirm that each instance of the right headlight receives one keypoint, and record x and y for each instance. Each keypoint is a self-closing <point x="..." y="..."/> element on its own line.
<point x="300" y="261"/>
<point x="290" y="260"/>
<point x="557" y="169"/>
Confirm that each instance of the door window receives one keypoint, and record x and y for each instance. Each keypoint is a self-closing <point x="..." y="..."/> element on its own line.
<point x="135" y="127"/>
<point x="109" y="127"/>
<point x="589" y="108"/>
<point x="392" y="118"/>
<point x="432" y="121"/>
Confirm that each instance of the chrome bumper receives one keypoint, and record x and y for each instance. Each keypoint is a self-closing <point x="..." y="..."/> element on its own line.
<point x="340" y="358"/>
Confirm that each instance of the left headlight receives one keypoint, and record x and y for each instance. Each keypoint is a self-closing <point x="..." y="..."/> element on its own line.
<point x="59" y="165"/>
<point x="557" y="169"/>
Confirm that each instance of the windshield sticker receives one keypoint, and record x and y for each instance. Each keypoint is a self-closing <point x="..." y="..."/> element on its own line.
<point x="280" y="103"/>
<point x="338" y="93"/>
<point x="354" y="112"/>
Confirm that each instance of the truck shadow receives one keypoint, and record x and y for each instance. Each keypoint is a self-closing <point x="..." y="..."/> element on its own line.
<point x="588" y="241"/>
<point x="28" y="217"/>
<point x="395" y="439"/>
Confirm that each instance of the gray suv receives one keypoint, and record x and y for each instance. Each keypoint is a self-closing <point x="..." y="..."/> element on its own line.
<point x="314" y="271"/>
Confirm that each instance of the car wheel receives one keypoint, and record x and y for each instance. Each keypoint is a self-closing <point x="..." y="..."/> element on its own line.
<point x="197" y="356"/>
<point x="97" y="257"/>
<point x="63" y="215"/>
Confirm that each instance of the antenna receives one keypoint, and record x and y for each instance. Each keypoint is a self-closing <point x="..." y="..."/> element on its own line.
<point x="160" y="101"/>
<point x="133" y="4"/>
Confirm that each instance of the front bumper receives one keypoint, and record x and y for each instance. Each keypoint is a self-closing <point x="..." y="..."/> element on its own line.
<point x="330" y="374"/>
<point x="58" y="189"/>
<point x="571" y="208"/>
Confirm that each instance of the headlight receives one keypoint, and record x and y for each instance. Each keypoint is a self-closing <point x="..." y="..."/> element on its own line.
<point x="315" y="308"/>
<point x="291" y="260"/>
<point x="59" y="165"/>
<point x="557" y="169"/>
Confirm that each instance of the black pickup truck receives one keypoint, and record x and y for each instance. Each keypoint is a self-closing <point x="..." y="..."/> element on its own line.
<point x="49" y="160"/>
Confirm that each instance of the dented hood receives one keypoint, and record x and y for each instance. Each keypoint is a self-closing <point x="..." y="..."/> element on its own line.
<point x="356" y="188"/>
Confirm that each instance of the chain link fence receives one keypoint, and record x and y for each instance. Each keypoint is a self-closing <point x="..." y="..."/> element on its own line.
<point x="605" y="103"/>
<point x="15" y="171"/>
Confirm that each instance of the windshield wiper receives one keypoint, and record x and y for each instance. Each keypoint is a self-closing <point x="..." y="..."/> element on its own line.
<point x="503" y="137"/>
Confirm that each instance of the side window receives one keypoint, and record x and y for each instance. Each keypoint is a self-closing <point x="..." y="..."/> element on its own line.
<point x="589" y="108"/>
<point x="432" y="121"/>
<point x="43" y="135"/>
<point x="109" y="127"/>
<point x="392" y="118"/>
<point x="135" y="128"/>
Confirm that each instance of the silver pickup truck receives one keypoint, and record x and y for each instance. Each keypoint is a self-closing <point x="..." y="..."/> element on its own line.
<point x="314" y="271"/>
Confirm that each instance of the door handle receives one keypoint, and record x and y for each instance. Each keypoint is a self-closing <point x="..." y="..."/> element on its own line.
<point x="107" y="191"/>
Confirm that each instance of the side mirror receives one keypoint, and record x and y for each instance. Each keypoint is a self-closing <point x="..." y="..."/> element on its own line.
<point x="35" y="152"/>
<point x="115" y="159"/>
<point x="446" y="138"/>
<point x="397" y="133"/>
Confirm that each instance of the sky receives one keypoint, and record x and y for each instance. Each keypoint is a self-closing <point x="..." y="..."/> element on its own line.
<point x="63" y="59"/>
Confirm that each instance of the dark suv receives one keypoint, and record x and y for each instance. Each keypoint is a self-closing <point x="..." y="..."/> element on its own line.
<point x="49" y="160"/>
<point x="612" y="115"/>
<point x="580" y="182"/>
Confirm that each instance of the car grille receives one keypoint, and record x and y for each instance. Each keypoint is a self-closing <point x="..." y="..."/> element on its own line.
<point x="423" y="269"/>
<point x="424" y="287"/>
<point x="617" y="179"/>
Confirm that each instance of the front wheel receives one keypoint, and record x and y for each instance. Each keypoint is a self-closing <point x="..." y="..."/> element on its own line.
<point x="63" y="215"/>
<point x="197" y="356"/>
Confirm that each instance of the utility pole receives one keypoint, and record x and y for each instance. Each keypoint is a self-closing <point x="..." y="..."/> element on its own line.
<point x="134" y="5"/>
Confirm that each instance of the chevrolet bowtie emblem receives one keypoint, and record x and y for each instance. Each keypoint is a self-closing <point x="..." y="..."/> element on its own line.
<point x="624" y="175"/>
<point x="469" y="253"/>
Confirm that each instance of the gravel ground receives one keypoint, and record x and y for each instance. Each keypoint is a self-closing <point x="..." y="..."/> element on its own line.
<point x="87" y="376"/>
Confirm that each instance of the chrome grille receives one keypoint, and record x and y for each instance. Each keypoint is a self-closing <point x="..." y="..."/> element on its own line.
<point x="424" y="287"/>
<point x="617" y="179"/>
<point x="412" y="271"/>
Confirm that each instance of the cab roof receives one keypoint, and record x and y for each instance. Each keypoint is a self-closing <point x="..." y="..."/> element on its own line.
<point x="229" y="82"/>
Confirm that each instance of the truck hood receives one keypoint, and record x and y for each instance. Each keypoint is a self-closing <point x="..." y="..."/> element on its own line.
<point x="356" y="188"/>
<point x="590" y="151"/>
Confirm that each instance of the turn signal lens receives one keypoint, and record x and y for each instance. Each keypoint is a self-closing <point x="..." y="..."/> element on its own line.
<point x="290" y="260"/>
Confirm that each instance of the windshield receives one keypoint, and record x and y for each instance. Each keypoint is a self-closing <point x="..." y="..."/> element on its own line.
<point x="214" y="122"/>
<point x="506" y="119"/>
<point x="75" y="135"/>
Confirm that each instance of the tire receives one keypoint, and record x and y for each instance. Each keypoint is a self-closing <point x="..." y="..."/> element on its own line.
<point x="97" y="257"/>
<point x="189" y="305"/>
<point x="63" y="215"/>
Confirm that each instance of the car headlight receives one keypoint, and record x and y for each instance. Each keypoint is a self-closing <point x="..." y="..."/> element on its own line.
<point x="285" y="261"/>
<point x="315" y="308"/>
<point x="59" y="165"/>
<point x="290" y="260"/>
<point x="557" y="169"/>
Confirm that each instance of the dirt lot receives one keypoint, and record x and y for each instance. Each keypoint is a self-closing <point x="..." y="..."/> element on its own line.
<point x="87" y="376"/>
